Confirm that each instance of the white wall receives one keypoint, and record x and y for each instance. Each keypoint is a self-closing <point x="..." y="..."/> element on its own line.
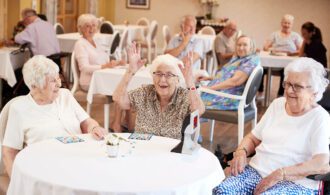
<point x="257" y="18"/>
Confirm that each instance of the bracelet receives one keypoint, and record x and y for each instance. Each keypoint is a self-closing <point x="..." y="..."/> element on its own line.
<point x="243" y="148"/>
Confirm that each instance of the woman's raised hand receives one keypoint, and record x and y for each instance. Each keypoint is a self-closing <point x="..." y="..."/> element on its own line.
<point x="134" y="58"/>
<point x="186" y="69"/>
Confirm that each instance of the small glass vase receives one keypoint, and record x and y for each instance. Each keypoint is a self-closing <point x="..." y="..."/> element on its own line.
<point x="112" y="150"/>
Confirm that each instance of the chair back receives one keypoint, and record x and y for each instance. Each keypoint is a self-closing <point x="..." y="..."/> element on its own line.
<point x="59" y="29"/>
<point x="142" y="21"/>
<point x="325" y="101"/>
<point x="106" y="28"/>
<point x="123" y="41"/>
<point x="3" y="125"/>
<point x="252" y="84"/>
<point x="76" y="74"/>
<point x="207" y="30"/>
<point x="115" y="43"/>
<point x="166" y="36"/>
<point x="152" y="30"/>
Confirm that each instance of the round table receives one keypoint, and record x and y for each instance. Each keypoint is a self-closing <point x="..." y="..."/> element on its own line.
<point x="142" y="167"/>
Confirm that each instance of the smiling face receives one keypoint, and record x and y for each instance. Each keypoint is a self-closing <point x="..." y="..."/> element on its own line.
<point x="298" y="92"/>
<point x="165" y="81"/>
<point x="286" y="25"/>
<point x="51" y="88"/>
<point x="243" y="46"/>
<point x="89" y="29"/>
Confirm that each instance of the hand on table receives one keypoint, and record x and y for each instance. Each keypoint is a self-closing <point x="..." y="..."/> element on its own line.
<point x="99" y="133"/>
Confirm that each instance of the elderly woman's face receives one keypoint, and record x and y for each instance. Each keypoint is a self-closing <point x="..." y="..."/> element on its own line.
<point x="89" y="29"/>
<point x="298" y="92"/>
<point x="243" y="47"/>
<point x="51" y="87"/>
<point x="286" y="25"/>
<point x="165" y="81"/>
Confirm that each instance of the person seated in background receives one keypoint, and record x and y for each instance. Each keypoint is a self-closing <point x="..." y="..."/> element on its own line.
<point x="312" y="46"/>
<point x="283" y="41"/>
<point x="48" y="111"/>
<point x="162" y="106"/>
<point x="39" y="33"/>
<point x="88" y="51"/>
<point x="91" y="56"/>
<point x="225" y="43"/>
<point x="233" y="76"/>
<point x="179" y="46"/>
<point x="290" y="142"/>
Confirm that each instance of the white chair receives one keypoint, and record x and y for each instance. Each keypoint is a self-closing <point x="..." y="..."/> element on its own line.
<point x="122" y="46"/>
<point x="150" y="42"/>
<point x="207" y="30"/>
<point x="4" y="179"/>
<point x="59" y="29"/>
<point x="106" y="28"/>
<point x="143" y="22"/>
<point x="247" y="109"/>
<point x="166" y="36"/>
<point x="114" y="45"/>
<point x="81" y="95"/>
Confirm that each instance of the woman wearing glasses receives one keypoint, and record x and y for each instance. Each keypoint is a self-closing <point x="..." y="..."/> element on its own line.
<point x="160" y="107"/>
<point x="290" y="142"/>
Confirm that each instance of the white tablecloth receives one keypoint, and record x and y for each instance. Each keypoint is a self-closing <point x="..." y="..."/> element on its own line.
<point x="272" y="61"/>
<point x="105" y="81"/>
<point x="207" y="41"/>
<point x="68" y="40"/>
<point x="51" y="167"/>
<point x="135" y="32"/>
<point x="9" y="63"/>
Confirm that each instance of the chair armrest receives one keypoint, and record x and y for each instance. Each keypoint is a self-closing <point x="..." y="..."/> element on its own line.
<point x="218" y="93"/>
<point x="320" y="177"/>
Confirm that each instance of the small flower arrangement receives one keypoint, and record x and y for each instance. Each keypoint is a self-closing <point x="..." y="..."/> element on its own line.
<point x="114" y="140"/>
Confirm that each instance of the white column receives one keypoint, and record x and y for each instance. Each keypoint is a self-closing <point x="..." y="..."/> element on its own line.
<point x="92" y="6"/>
<point x="50" y="7"/>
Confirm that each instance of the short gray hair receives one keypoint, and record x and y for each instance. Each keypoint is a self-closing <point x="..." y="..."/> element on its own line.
<point x="27" y="12"/>
<point x="171" y="61"/>
<point x="188" y="17"/>
<point x="36" y="69"/>
<point x="86" y="18"/>
<point x="317" y="74"/>
<point x="288" y="17"/>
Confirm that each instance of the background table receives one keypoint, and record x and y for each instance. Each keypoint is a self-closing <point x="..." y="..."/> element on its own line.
<point x="68" y="40"/>
<point x="105" y="81"/>
<point x="271" y="61"/>
<point x="51" y="167"/>
<point x="8" y="64"/>
<point x="134" y="32"/>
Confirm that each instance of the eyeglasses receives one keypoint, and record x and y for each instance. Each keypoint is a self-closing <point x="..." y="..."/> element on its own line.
<point x="295" y="87"/>
<point x="166" y="75"/>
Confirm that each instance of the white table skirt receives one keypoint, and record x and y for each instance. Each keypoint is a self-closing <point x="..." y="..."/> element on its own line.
<point x="207" y="41"/>
<point x="10" y="62"/>
<point x="105" y="81"/>
<point x="51" y="167"/>
<point x="68" y="40"/>
<point x="135" y="32"/>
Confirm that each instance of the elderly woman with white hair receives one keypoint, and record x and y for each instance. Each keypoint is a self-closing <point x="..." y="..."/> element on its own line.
<point x="162" y="106"/>
<point x="89" y="53"/>
<point x="290" y="141"/>
<point x="283" y="41"/>
<point x="48" y="111"/>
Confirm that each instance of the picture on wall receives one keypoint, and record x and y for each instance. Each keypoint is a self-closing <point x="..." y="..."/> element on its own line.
<point x="138" y="4"/>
